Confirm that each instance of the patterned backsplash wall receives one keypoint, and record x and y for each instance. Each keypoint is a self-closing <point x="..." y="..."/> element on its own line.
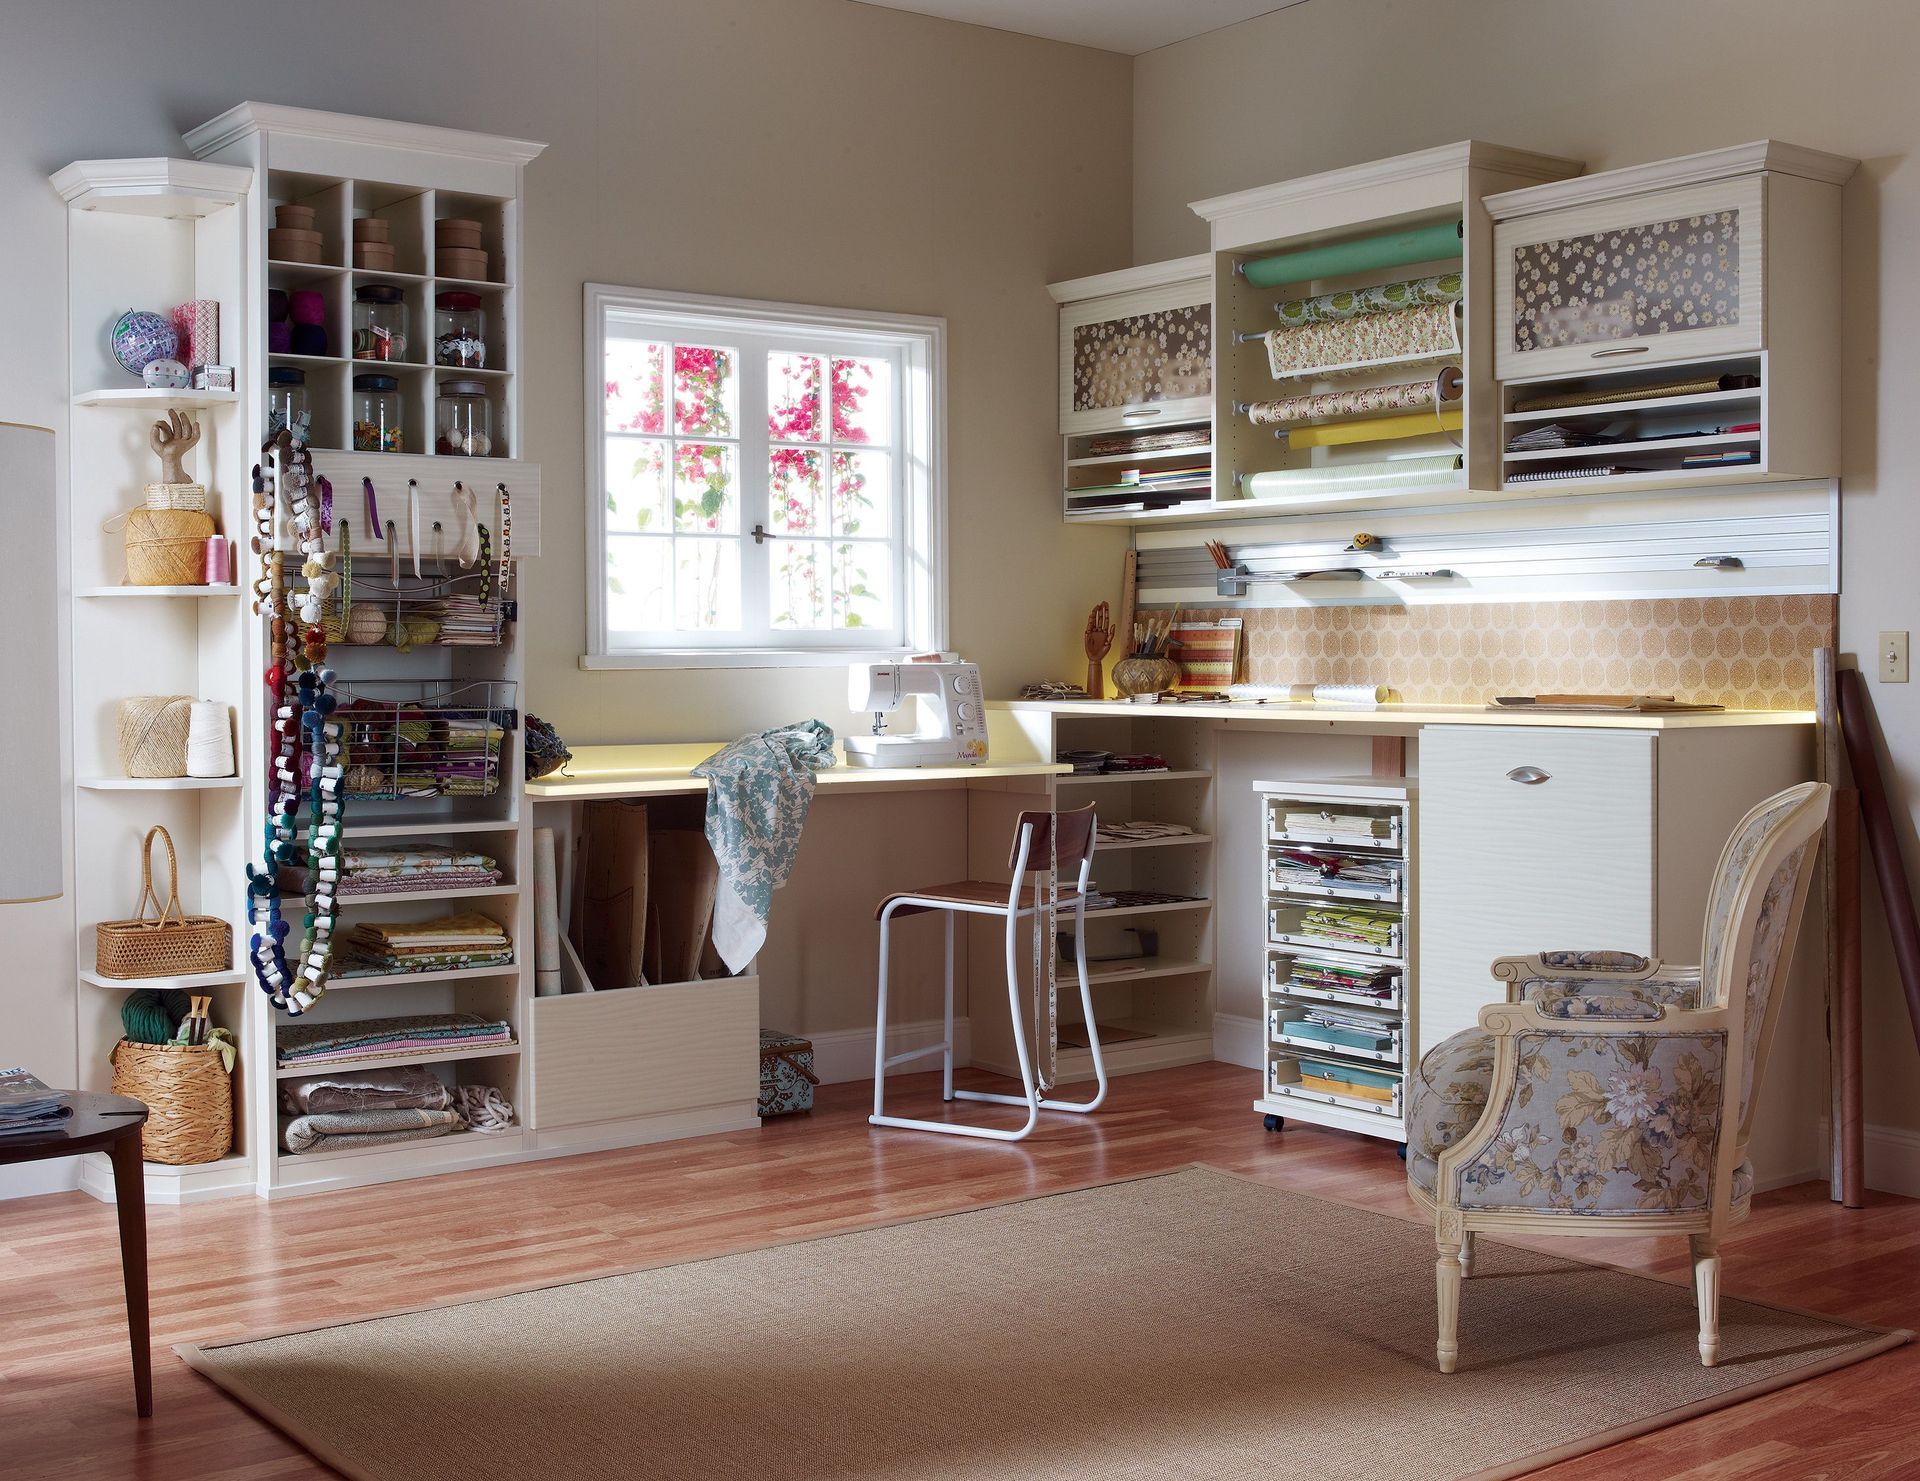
<point x="1749" y="653"/>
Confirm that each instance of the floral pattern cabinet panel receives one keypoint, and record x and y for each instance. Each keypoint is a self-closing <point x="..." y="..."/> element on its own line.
<point x="1137" y="360"/>
<point x="1644" y="279"/>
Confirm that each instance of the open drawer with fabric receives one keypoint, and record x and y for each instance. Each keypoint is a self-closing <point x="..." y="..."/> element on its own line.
<point x="1336" y="927"/>
<point x="1326" y="1081"/>
<point x="1329" y="979"/>
<point x="1341" y="825"/>
<point x="1355" y="1033"/>
<point x="1335" y="874"/>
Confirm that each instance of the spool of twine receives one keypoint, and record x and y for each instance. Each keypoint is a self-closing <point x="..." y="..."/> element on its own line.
<point x="167" y="547"/>
<point x="153" y="734"/>
<point x="188" y="496"/>
<point x="209" y="740"/>
<point x="366" y="623"/>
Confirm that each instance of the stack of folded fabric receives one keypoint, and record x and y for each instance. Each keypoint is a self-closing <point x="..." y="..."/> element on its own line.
<point x="1377" y="983"/>
<point x="1355" y="929"/>
<point x="376" y="869"/>
<point x="1140" y="831"/>
<point x="387" y="1038"/>
<point x="446" y="944"/>
<point x="366" y="1108"/>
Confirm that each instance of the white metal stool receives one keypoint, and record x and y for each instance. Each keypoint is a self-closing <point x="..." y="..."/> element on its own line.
<point x="1025" y="897"/>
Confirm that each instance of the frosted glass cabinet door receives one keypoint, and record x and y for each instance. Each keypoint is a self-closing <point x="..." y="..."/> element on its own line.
<point x="1668" y="275"/>
<point x="1137" y="360"/>
<point x="1531" y="839"/>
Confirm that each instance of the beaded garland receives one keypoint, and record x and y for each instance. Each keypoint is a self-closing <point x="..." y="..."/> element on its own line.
<point x="308" y="744"/>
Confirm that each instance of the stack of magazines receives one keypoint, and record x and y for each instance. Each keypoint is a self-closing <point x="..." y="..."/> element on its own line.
<point x="27" y="1105"/>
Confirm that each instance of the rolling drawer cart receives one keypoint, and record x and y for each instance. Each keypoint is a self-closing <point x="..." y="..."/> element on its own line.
<point x="1339" y="997"/>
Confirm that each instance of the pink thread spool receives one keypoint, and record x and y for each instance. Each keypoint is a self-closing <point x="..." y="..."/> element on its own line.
<point x="219" y="561"/>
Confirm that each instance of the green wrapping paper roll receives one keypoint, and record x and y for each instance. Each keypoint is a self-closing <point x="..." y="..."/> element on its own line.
<point x="1368" y="254"/>
<point x="1349" y="478"/>
<point x="1380" y="298"/>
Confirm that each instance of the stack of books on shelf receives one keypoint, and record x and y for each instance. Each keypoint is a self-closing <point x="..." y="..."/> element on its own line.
<point x="27" y="1105"/>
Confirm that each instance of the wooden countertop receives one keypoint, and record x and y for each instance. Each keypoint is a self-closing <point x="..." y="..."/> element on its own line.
<point x="1398" y="718"/>
<point x="667" y="771"/>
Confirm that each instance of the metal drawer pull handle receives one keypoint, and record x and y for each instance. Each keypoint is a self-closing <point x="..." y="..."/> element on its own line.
<point x="1529" y="776"/>
<point x="1140" y="414"/>
<point x="1621" y="350"/>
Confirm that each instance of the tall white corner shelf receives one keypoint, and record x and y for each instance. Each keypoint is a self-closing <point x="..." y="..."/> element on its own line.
<point x="151" y="234"/>
<point x="408" y="175"/>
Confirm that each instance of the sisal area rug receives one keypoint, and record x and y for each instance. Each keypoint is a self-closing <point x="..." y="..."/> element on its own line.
<point x="1196" y="1324"/>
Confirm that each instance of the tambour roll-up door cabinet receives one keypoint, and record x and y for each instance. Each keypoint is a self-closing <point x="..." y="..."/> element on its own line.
<point x="1547" y="838"/>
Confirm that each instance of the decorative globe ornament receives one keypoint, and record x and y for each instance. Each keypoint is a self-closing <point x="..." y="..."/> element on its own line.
<point x="140" y="338"/>
<point x="166" y="375"/>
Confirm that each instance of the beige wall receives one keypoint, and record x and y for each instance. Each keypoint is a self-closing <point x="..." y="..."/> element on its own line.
<point x="811" y="150"/>
<point x="1337" y="82"/>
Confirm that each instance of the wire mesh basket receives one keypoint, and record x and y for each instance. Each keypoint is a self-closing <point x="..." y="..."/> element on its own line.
<point x="407" y="738"/>
<point x="386" y="605"/>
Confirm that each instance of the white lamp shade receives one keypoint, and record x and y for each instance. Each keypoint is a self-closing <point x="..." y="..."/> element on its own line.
<point x="32" y="799"/>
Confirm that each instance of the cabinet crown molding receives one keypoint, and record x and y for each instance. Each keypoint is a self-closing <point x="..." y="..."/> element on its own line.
<point x="171" y="185"/>
<point x="1688" y="169"/>
<point x="1468" y="154"/>
<point x="1196" y="268"/>
<point x="347" y="128"/>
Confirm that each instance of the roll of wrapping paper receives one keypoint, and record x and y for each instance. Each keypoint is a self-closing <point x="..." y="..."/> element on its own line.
<point x="1354" y="478"/>
<point x="1405" y="396"/>
<point x="1425" y="332"/>
<point x="1365" y="255"/>
<point x="1377" y="429"/>
<point x="1380" y="298"/>
<point x="1339" y="694"/>
<point x="1567" y="400"/>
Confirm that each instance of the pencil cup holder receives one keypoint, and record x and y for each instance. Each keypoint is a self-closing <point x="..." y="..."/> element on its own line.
<point x="1145" y="675"/>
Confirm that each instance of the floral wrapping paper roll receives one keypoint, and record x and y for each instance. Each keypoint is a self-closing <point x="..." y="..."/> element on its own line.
<point x="1380" y="298"/>
<point x="1344" y="346"/>
<point x="1406" y="396"/>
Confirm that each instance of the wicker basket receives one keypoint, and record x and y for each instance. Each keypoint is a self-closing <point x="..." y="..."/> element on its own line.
<point x="188" y="1095"/>
<point x="170" y="945"/>
<point x="167" y="547"/>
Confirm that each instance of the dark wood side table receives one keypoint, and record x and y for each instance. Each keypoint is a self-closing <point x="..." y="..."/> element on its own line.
<point x="110" y="1124"/>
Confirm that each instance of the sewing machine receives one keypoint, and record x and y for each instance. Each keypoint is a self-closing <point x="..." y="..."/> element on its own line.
<point x="951" y="725"/>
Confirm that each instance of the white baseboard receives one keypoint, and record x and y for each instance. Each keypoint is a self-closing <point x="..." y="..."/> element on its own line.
<point x="31" y="1179"/>
<point x="1892" y="1155"/>
<point x="1239" y="1040"/>
<point x="847" y="1054"/>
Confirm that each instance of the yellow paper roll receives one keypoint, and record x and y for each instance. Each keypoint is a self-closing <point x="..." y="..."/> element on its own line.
<point x="1376" y="429"/>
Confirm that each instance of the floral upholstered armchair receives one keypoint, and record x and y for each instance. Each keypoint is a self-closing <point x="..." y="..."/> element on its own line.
<point x="1612" y="1094"/>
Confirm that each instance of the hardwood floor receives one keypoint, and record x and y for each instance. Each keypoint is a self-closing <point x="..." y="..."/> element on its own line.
<point x="242" y="1266"/>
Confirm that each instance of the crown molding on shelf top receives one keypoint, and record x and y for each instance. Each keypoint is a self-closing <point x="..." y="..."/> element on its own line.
<point x="1468" y="154"/>
<point x="1133" y="279"/>
<point x="347" y="128"/>
<point x="1770" y="155"/>
<point x="156" y="185"/>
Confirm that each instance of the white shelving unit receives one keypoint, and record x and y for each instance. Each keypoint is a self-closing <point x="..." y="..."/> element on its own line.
<point x="152" y="234"/>
<point x="1155" y="1009"/>
<point x="1351" y="1074"/>
<point x="409" y="175"/>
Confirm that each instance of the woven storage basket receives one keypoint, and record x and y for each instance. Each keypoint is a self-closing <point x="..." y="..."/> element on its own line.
<point x="188" y="1095"/>
<point x="170" y="945"/>
<point x="167" y="547"/>
<point x="189" y="496"/>
<point x="152" y="732"/>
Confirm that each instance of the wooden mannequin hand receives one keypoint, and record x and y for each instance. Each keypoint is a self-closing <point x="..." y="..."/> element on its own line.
<point x="1099" y="640"/>
<point x="172" y="440"/>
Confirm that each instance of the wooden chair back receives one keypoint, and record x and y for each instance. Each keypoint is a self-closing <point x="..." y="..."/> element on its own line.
<point x="1075" y="830"/>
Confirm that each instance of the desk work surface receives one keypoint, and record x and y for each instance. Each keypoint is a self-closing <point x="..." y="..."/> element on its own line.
<point x="667" y="771"/>
<point x="1398" y="718"/>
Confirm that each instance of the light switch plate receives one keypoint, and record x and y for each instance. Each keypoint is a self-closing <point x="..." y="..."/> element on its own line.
<point x="1893" y="658"/>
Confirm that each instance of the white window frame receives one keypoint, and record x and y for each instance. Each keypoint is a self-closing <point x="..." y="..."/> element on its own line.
<point x="920" y="457"/>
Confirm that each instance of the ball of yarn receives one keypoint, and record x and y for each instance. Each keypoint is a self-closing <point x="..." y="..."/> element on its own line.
<point x="366" y="623"/>
<point x="140" y="338"/>
<point x="309" y="306"/>
<point x="153" y="734"/>
<point x="149" y="1017"/>
<point x="404" y="632"/>
<point x="366" y="780"/>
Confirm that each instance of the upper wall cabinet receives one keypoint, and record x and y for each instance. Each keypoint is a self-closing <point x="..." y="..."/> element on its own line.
<point x="1136" y="346"/>
<point x="1136" y="389"/>
<point x="1673" y="323"/>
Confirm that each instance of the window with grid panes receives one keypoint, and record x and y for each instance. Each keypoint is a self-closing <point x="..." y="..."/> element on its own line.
<point x="766" y="480"/>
